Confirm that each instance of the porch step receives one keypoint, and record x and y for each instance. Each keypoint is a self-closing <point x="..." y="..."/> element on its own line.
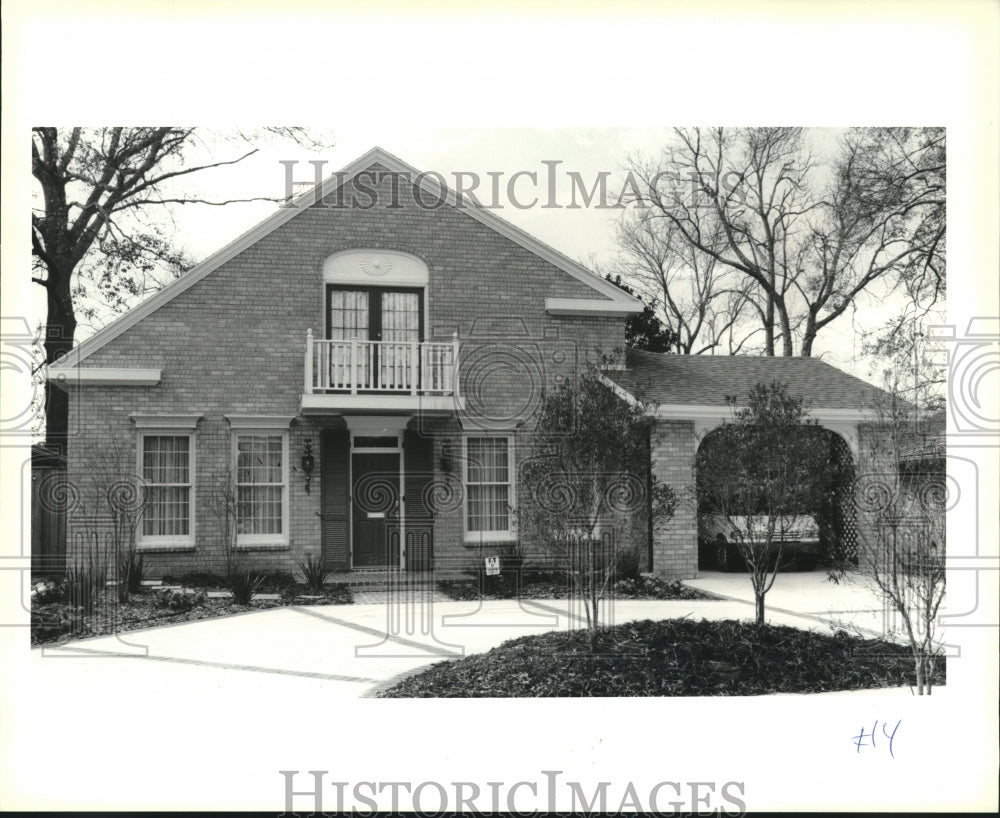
<point x="381" y="580"/>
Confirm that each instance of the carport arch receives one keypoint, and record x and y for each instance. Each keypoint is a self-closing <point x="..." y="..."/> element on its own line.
<point x="838" y="525"/>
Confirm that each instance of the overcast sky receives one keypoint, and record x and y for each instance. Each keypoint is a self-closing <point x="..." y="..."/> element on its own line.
<point x="584" y="233"/>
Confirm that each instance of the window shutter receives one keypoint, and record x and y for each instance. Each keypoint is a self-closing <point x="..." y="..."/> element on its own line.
<point x="334" y="499"/>
<point x="419" y="517"/>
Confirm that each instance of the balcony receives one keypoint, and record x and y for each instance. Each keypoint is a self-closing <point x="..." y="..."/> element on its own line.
<point x="380" y="377"/>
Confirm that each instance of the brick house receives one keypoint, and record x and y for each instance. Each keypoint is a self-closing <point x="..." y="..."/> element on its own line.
<point x="360" y="369"/>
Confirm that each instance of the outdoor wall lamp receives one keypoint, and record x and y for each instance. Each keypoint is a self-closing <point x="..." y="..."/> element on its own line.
<point x="308" y="463"/>
<point x="446" y="457"/>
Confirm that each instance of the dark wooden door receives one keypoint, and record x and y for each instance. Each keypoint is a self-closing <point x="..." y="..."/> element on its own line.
<point x="375" y="500"/>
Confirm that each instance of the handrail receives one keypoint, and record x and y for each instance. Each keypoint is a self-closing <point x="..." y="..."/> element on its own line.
<point x="411" y="367"/>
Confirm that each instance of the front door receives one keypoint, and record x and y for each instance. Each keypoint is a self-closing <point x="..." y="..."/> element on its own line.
<point x="374" y="501"/>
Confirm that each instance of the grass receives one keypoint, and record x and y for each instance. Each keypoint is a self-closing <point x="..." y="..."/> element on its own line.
<point x="677" y="657"/>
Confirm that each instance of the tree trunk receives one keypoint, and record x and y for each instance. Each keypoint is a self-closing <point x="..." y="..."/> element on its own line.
<point x="60" y="331"/>
<point x="769" y="327"/>
<point x="759" y="600"/>
<point x="787" y="349"/>
<point x="808" y="336"/>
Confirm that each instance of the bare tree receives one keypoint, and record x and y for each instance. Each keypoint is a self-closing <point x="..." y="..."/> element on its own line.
<point x="810" y="240"/>
<point x="702" y="303"/>
<point x="92" y="224"/>
<point x="901" y="496"/>
<point x="119" y="493"/>
<point x="223" y="502"/>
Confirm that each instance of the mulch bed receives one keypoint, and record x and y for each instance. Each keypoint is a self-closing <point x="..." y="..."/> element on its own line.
<point x="677" y="657"/>
<point x="57" y="622"/>
<point x="505" y="588"/>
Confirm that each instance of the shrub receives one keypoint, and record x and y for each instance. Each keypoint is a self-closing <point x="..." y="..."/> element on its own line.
<point x="243" y="583"/>
<point x="275" y="581"/>
<point x="131" y="573"/>
<point x="199" y="579"/>
<point x="340" y="594"/>
<point x="627" y="564"/>
<point x="181" y="601"/>
<point x="315" y="573"/>
<point x="46" y="592"/>
<point x="458" y="589"/>
<point x="511" y="563"/>
<point x="83" y="585"/>
<point x="53" y="622"/>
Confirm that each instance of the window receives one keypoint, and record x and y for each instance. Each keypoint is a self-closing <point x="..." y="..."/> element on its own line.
<point x="488" y="488"/>
<point x="261" y="488"/>
<point x="393" y="315"/>
<point x="166" y="462"/>
<point x="383" y="323"/>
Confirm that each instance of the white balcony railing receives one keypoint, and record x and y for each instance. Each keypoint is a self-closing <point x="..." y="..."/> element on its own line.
<point x="400" y="367"/>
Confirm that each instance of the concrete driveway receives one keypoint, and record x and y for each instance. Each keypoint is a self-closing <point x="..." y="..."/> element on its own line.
<point x="809" y="596"/>
<point x="191" y="708"/>
<point x="356" y="650"/>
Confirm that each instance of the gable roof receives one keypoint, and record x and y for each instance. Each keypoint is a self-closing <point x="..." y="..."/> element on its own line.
<point x="705" y="380"/>
<point x="616" y="299"/>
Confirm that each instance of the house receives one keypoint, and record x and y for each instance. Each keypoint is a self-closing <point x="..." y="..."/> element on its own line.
<point x="351" y="378"/>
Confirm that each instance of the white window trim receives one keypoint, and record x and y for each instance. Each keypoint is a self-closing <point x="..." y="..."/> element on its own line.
<point x="476" y="537"/>
<point x="249" y="541"/>
<point x="258" y="423"/>
<point x="165" y="424"/>
<point x="170" y="541"/>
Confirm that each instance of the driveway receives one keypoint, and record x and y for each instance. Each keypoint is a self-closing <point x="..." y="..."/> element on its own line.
<point x="233" y="700"/>
<point x="357" y="650"/>
<point x="811" y="597"/>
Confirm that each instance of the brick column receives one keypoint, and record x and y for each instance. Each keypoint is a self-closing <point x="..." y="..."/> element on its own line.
<point x="675" y="543"/>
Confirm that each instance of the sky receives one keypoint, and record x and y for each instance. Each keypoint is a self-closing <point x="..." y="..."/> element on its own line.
<point x="584" y="232"/>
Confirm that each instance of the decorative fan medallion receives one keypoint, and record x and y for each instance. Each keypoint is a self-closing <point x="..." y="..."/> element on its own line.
<point x="376" y="266"/>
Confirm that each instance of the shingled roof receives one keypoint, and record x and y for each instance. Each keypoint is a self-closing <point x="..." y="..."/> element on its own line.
<point x="705" y="380"/>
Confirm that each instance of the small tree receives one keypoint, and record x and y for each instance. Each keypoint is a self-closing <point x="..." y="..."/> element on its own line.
<point x="120" y="494"/>
<point x="224" y="502"/>
<point x="901" y="498"/>
<point x="760" y="471"/>
<point x="585" y="480"/>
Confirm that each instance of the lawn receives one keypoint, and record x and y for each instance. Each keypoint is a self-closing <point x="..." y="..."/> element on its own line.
<point x="678" y="657"/>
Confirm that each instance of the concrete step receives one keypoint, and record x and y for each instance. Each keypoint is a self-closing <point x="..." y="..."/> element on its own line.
<point x="379" y="580"/>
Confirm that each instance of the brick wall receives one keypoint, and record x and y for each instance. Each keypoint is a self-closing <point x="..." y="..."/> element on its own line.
<point x="234" y="344"/>
<point x="675" y="544"/>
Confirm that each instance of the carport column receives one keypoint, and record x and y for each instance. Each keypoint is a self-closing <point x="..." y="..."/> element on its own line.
<point x="858" y="437"/>
<point x="877" y="476"/>
<point x="675" y="544"/>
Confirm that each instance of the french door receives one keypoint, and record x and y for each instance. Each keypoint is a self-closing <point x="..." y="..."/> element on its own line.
<point x="384" y="323"/>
